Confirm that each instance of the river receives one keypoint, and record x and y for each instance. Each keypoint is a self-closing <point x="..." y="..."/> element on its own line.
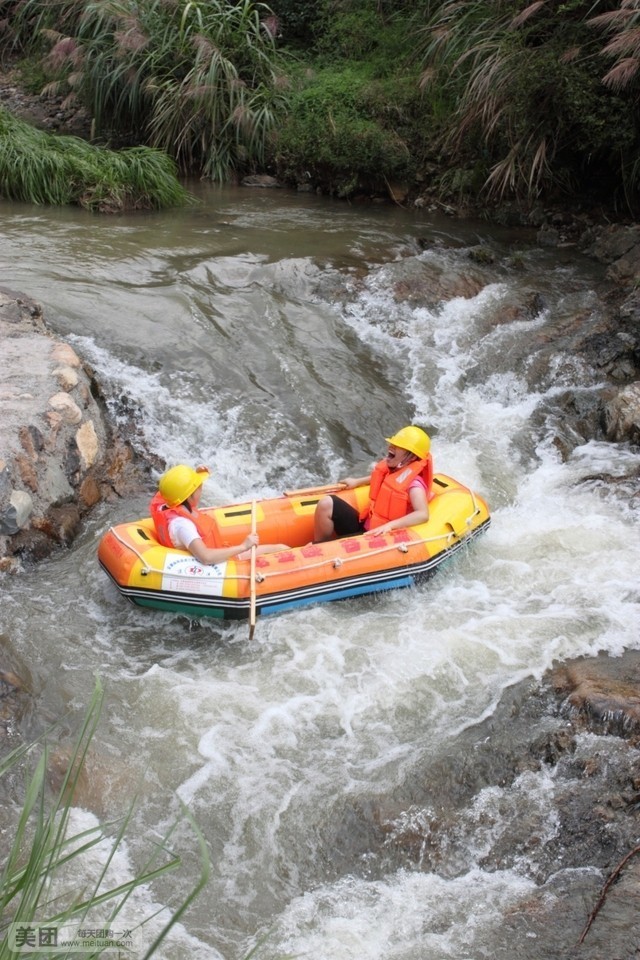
<point x="265" y="334"/>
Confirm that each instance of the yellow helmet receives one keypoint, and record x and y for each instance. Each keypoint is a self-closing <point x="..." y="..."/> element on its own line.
<point x="180" y="482"/>
<point x="412" y="439"/>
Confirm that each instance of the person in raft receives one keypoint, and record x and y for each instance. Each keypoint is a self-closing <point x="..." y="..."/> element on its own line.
<point x="399" y="492"/>
<point x="179" y="523"/>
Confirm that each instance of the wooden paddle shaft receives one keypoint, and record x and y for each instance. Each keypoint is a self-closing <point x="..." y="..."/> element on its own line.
<point x="252" y="575"/>
<point x="305" y="491"/>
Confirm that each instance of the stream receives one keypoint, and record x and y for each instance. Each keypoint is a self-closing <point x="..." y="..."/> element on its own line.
<point x="279" y="338"/>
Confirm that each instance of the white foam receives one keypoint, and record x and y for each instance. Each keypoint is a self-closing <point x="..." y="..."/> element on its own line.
<point x="269" y="741"/>
<point x="406" y="915"/>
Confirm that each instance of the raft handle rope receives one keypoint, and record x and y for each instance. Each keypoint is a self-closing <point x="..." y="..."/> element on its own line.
<point x="336" y="562"/>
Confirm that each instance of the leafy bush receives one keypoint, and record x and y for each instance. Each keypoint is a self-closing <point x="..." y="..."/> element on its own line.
<point x="298" y="21"/>
<point x="371" y="31"/>
<point x="335" y="137"/>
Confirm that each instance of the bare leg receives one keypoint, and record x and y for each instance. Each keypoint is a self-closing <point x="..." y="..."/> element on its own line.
<point x="323" y="520"/>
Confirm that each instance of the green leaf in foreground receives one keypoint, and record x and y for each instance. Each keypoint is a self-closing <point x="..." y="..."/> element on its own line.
<point x="44" y="846"/>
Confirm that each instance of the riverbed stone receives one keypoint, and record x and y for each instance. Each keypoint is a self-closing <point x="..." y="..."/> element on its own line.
<point x="87" y="443"/>
<point x="622" y="414"/>
<point x="614" y="241"/>
<point x="602" y="695"/>
<point x="89" y="492"/>
<point x="15" y="697"/>
<point x="14" y="516"/>
<point x="262" y="180"/>
<point x="427" y="283"/>
<point x="68" y="408"/>
<point x="67" y="378"/>
<point x="65" y="354"/>
<point x="56" y="481"/>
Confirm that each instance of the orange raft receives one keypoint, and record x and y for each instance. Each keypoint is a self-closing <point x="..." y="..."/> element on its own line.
<point x="151" y="575"/>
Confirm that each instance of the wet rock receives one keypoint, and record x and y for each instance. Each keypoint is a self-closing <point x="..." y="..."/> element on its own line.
<point x="482" y="255"/>
<point x="14" y="516"/>
<point x="89" y="492"/>
<point x="88" y="443"/>
<point x="599" y="698"/>
<point x="613" y="347"/>
<point x="614" y="242"/>
<point x="104" y="785"/>
<point x="64" y="353"/>
<point x="59" y="455"/>
<point x="16" y="698"/>
<point x="581" y="724"/>
<point x="622" y="415"/>
<point x="61" y="523"/>
<point x="518" y="305"/>
<point x="66" y="407"/>
<point x="549" y="236"/>
<point x="261" y="180"/>
<point x="67" y="378"/>
<point x="426" y="283"/>
<point x="398" y="192"/>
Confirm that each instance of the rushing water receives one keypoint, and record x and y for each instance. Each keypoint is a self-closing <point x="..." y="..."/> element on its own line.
<point x="262" y="333"/>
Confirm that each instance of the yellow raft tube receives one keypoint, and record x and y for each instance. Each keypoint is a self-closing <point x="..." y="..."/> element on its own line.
<point x="151" y="575"/>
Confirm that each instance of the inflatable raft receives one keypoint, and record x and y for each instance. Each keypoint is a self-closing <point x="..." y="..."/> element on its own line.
<point x="151" y="575"/>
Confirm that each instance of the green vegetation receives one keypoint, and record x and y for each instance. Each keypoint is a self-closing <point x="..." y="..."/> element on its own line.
<point x="357" y="121"/>
<point x="491" y="101"/>
<point x="44" y="849"/>
<point x="39" y="167"/>
<point x="532" y="99"/>
<point x="467" y="99"/>
<point x="196" y="78"/>
<point x="341" y="132"/>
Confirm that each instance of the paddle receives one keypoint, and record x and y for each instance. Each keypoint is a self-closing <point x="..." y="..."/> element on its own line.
<point x="306" y="491"/>
<point x="252" y="608"/>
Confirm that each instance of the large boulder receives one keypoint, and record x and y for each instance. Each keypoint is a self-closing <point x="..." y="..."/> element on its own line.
<point x="59" y="455"/>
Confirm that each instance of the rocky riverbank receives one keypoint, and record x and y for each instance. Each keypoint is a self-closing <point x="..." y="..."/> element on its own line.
<point x="59" y="453"/>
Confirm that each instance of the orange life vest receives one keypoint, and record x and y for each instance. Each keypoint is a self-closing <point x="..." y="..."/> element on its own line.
<point x="162" y="514"/>
<point x="389" y="497"/>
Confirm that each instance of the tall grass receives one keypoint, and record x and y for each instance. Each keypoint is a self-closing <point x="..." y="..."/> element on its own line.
<point x="40" y="167"/>
<point x="529" y="95"/>
<point x="622" y="25"/>
<point x="196" y="78"/>
<point x="44" y="848"/>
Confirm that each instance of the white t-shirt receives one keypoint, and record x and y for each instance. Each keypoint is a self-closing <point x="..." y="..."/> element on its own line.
<point x="182" y="532"/>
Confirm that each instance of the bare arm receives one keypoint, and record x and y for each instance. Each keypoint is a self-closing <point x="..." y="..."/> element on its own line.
<point x="419" y="513"/>
<point x="351" y="482"/>
<point x="219" y="554"/>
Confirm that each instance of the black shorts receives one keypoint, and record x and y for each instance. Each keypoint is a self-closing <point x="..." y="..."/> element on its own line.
<point x="346" y="520"/>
